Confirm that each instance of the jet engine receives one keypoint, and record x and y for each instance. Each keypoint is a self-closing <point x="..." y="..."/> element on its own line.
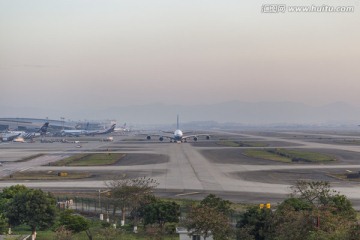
<point x="148" y="137"/>
<point x="195" y="139"/>
<point x="208" y="137"/>
<point x="161" y="139"/>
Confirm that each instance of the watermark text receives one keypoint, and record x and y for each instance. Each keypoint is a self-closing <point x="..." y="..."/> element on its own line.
<point x="283" y="8"/>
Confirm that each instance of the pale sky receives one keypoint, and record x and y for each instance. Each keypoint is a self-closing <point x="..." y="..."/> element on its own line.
<point x="80" y="53"/>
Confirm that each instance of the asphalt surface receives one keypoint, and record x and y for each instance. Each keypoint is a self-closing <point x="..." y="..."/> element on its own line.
<point x="191" y="170"/>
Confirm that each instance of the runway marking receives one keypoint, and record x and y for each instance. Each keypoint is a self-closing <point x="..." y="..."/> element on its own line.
<point x="185" y="194"/>
<point x="23" y="170"/>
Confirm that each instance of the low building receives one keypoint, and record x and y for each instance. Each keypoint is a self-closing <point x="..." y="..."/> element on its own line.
<point x="184" y="235"/>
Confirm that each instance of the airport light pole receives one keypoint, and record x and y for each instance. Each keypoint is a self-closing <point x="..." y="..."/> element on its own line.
<point x="62" y="120"/>
<point x="99" y="200"/>
<point x="100" y="197"/>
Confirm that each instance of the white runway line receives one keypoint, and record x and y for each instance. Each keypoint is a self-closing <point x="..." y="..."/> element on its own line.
<point x="186" y="194"/>
<point x="23" y="170"/>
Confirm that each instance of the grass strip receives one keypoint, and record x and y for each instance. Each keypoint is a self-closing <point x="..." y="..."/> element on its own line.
<point x="50" y="175"/>
<point x="96" y="159"/>
<point x="264" y="154"/>
<point x="28" y="158"/>
<point x="287" y="155"/>
<point x="241" y="144"/>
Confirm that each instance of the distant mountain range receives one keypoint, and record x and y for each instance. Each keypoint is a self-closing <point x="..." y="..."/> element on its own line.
<point x="256" y="113"/>
<point x="252" y="113"/>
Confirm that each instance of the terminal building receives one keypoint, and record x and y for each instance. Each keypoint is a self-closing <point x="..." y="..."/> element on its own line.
<point x="24" y="124"/>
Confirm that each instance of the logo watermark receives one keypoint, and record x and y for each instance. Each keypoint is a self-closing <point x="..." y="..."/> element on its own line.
<point x="283" y="8"/>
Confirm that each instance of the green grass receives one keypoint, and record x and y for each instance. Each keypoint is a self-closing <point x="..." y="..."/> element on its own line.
<point x="97" y="233"/>
<point x="50" y="175"/>
<point x="229" y="143"/>
<point x="28" y="158"/>
<point x="97" y="159"/>
<point x="286" y="155"/>
<point x="305" y="156"/>
<point x="264" y="154"/>
<point x="348" y="142"/>
<point x="125" y="233"/>
<point x="344" y="176"/>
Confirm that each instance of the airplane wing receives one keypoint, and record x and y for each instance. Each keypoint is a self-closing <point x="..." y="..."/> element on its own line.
<point x="161" y="137"/>
<point x="195" y="136"/>
<point x="167" y="132"/>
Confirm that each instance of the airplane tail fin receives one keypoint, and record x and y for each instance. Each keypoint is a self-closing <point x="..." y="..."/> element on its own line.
<point x="177" y="122"/>
<point x="111" y="129"/>
<point x="44" y="128"/>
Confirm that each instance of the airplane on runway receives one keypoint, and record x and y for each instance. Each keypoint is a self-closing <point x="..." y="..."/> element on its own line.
<point x="178" y="135"/>
<point x="20" y="136"/>
<point x="80" y="132"/>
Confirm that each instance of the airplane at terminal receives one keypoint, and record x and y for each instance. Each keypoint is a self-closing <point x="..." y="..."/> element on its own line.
<point x="21" y="135"/>
<point x="179" y="136"/>
<point x="79" y="132"/>
<point x="99" y="132"/>
<point x="122" y="129"/>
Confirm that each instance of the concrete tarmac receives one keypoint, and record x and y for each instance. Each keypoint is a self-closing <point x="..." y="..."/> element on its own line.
<point x="187" y="173"/>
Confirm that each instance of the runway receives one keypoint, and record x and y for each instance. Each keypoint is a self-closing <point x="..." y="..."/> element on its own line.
<point x="186" y="171"/>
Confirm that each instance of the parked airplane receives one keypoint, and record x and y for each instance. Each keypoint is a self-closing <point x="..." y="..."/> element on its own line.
<point x="8" y="136"/>
<point x="122" y="129"/>
<point x="21" y="135"/>
<point x="98" y="132"/>
<point x="86" y="132"/>
<point x="178" y="135"/>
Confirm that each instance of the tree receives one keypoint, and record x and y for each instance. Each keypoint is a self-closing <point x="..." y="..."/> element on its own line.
<point x="316" y="193"/>
<point x="217" y="203"/>
<point x="8" y="194"/>
<point x="62" y="233"/>
<point x="3" y="223"/>
<point x="128" y="193"/>
<point x="315" y="211"/>
<point x="206" y="221"/>
<point x="295" y="204"/>
<point x="319" y="195"/>
<point x="32" y="207"/>
<point x="160" y="212"/>
<point x="74" y="223"/>
<point x="255" y="223"/>
<point x="108" y="233"/>
<point x="341" y="205"/>
<point x="289" y="223"/>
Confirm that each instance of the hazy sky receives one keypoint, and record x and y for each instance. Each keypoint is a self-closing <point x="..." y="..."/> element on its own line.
<point x="80" y="53"/>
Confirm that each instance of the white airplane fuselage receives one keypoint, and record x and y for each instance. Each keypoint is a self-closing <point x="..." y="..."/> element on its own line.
<point x="178" y="135"/>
